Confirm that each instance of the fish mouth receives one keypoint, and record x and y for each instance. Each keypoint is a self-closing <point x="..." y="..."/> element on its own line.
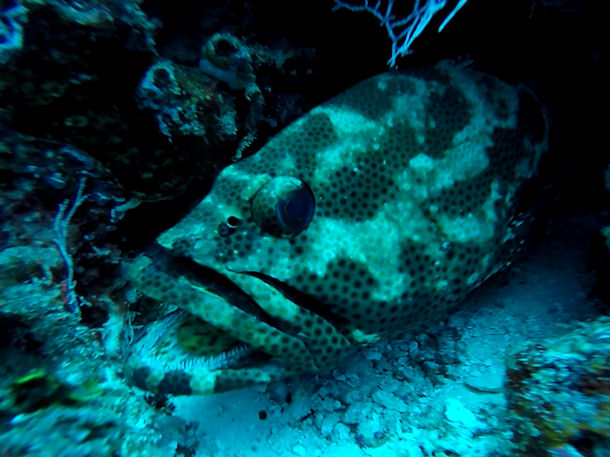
<point x="260" y="328"/>
<point x="229" y="288"/>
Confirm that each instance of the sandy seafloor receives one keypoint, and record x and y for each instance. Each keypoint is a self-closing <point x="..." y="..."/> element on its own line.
<point x="435" y="392"/>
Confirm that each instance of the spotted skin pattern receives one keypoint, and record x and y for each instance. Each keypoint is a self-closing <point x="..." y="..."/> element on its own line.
<point x="417" y="178"/>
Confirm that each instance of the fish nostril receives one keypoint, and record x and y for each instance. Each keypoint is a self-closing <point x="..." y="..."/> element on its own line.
<point x="224" y="229"/>
<point x="233" y="222"/>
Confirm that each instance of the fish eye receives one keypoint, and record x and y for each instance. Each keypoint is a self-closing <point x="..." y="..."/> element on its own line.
<point x="283" y="206"/>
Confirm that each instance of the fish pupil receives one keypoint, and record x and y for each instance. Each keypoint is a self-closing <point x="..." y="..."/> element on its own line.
<point x="296" y="212"/>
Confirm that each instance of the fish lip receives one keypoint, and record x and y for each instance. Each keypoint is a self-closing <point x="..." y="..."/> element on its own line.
<point x="210" y="277"/>
<point x="298" y="297"/>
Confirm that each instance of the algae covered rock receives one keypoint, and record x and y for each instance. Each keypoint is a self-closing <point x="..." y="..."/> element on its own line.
<point x="558" y="393"/>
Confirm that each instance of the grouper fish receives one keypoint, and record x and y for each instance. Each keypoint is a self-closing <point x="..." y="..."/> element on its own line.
<point x="372" y="214"/>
